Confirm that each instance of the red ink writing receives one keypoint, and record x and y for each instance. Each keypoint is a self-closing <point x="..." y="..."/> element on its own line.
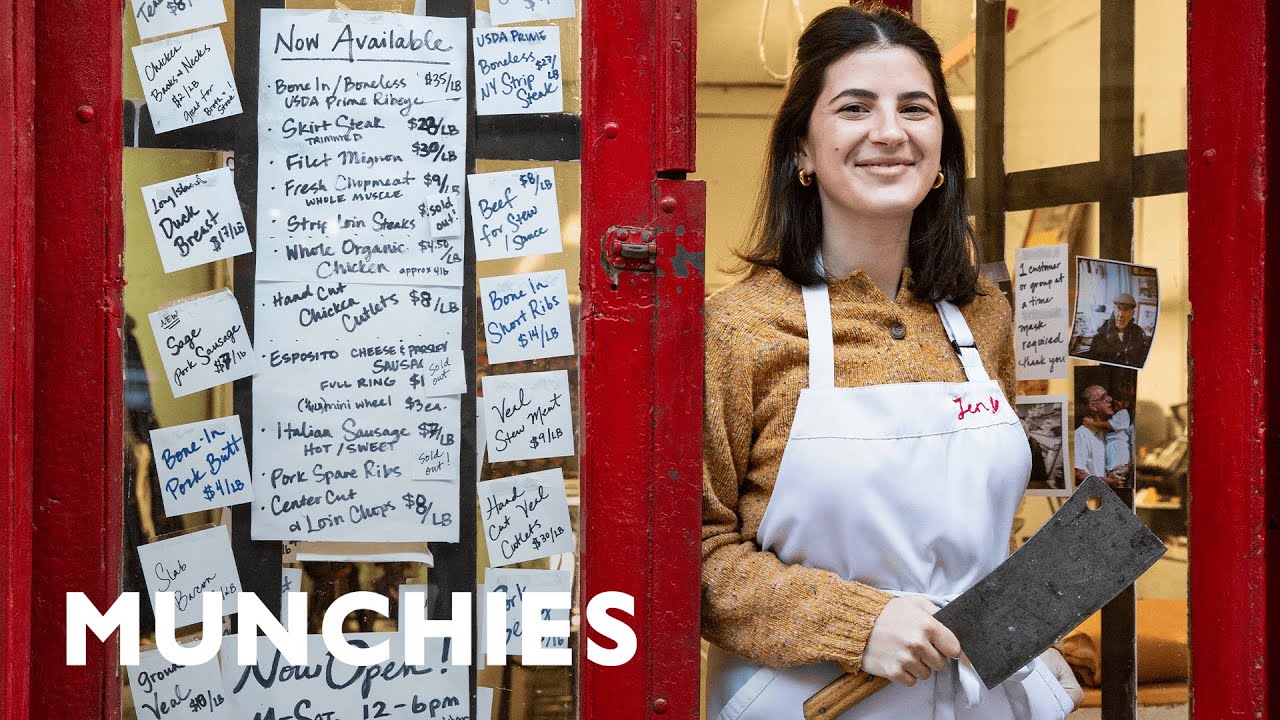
<point x="992" y="406"/>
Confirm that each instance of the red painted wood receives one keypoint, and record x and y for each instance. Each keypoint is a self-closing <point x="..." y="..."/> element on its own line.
<point x="78" y="408"/>
<point x="676" y="559"/>
<point x="641" y="362"/>
<point x="677" y="53"/>
<point x="1232" y="239"/>
<point x="17" y="204"/>
<point x="617" y="329"/>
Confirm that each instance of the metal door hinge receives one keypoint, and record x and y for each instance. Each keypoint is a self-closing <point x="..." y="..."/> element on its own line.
<point x="631" y="248"/>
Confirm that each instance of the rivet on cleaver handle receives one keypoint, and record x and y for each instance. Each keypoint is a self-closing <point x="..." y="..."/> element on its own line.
<point x="1075" y="564"/>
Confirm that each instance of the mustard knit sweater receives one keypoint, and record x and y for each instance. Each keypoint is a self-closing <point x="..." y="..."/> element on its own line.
<point x="756" y="364"/>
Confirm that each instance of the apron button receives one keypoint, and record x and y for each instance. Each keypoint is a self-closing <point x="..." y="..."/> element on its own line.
<point x="898" y="331"/>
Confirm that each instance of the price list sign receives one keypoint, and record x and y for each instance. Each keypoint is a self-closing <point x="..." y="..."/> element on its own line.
<point x="356" y="403"/>
<point x="361" y="116"/>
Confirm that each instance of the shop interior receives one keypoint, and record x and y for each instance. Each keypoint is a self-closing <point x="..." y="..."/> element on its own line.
<point x="745" y="46"/>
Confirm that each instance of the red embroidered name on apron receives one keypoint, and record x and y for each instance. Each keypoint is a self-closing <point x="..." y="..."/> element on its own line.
<point x="992" y="406"/>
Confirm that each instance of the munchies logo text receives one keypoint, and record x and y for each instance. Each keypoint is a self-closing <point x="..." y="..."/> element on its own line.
<point x="291" y="640"/>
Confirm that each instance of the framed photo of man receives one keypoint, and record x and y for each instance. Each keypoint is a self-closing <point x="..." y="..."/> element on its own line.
<point x="1117" y="310"/>
<point x="1044" y="418"/>
<point x="1103" y="441"/>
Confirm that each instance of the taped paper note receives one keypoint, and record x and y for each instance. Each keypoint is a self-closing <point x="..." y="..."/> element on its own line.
<point x="362" y="115"/>
<point x="290" y="581"/>
<point x="526" y="316"/>
<point x="514" y="213"/>
<point x="203" y="342"/>
<point x="506" y="12"/>
<point x="526" y="517"/>
<point x="196" y="219"/>
<point x="166" y="17"/>
<point x="202" y="465"/>
<point x="527" y="416"/>
<point x="189" y="566"/>
<point x="187" y="80"/>
<point x="165" y="690"/>
<point x="518" y="71"/>
<point x="1040" y="312"/>
<point x="514" y="583"/>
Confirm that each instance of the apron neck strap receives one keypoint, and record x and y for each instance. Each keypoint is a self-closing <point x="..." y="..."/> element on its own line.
<point x="962" y="341"/>
<point x="822" y="358"/>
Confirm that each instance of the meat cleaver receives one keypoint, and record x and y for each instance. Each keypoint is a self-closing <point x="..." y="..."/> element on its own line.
<point x="1089" y="551"/>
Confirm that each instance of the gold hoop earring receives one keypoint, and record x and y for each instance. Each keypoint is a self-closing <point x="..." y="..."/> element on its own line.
<point x="938" y="182"/>
<point x="806" y="179"/>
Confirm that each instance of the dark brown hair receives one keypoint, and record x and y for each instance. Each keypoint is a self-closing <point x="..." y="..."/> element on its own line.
<point x="787" y="232"/>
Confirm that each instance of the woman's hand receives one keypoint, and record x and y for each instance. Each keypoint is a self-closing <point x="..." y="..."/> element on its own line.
<point x="907" y="644"/>
<point x="1062" y="672"/>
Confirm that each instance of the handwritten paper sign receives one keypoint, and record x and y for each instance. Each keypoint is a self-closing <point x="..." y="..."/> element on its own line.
<point x="187" y="80"/>
<point x="1041" y="312"/>
<point x="527" y="416"/>
<point x="165" y="17"/>
<point x="505" y="12"/>
<point x="356" y="402"/>
<point x="189" y="566"/>
<point x="361" y="116"/>
<point x="203" y="343"/>
<point x="162" y="689"/>
<point x="526" y="517"/>
<point x="514" y="213"/>
<point x="526" y="316"/>
<point x="202" y="465"/>
<point x="332" y="690"/>
<point x="514" y="583"/>
<point x="443" y="214"/>
<point x="196" y="219"/>
<point x="518" y="71"/>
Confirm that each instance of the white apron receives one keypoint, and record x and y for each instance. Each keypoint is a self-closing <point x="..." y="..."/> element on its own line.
<point x="910" y="488"/>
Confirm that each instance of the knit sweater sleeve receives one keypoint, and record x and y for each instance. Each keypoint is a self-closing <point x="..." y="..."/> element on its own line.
<point x="753" y="605"/>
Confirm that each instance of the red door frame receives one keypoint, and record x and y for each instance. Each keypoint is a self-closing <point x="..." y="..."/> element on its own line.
<point x="78" y="413"/>
<point x="70" y="253"/>
<point x="1234" y="568"/>
<point x="17" y="223"/>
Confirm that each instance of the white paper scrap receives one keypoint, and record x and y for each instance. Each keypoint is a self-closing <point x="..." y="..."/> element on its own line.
<point x="514" y="213"/>
<point x="187" y="80"/>
<point x="165" y="17"/>
<point x="526" y="517"/>
<point x="196" y="219"/>
<point x="526" y="316"/>
<point x="203" y="343"/>
<point x="514" y="583"/>
<point x="443" y="213"/>
<point x="528" y="416"/>
<point x="162" y="689"/>
<point x="518" y="70"/>
<point x="202" y="465"/>
<point x="189" y="566"/>
<point x="290" y="581"/>
<point x="506" y="12"/>
<point x="1041" y="317"/>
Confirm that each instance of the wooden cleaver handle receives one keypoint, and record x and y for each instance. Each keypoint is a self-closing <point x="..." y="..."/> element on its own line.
<point x="841" y="694"/>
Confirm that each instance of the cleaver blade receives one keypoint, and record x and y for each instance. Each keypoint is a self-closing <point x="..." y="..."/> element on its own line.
<point x="1092" y="548"/>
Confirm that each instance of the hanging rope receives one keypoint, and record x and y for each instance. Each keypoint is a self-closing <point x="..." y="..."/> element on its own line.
<point x="760" y="46"/>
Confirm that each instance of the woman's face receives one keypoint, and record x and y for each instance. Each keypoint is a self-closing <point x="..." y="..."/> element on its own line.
<point x="875" y="135"/>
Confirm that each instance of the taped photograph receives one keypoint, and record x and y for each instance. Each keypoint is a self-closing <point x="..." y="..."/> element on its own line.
<point x="1044" y="417"/>
<point x="1117" y="310"/>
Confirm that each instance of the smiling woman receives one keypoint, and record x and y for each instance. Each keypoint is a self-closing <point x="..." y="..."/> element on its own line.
<point x="863" y="333"/>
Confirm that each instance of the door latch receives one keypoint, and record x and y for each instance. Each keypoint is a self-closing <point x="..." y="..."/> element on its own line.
<point x="631" y="248"/>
